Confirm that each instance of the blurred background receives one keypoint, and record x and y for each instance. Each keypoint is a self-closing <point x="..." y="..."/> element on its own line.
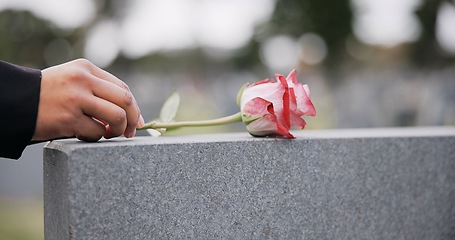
<point x="368" y="63"/>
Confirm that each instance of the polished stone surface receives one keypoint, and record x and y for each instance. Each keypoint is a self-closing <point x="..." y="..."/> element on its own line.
<point x="396" y="183"/>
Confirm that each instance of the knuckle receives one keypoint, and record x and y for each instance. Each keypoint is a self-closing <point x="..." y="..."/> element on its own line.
<point x="119" y="117"/>
<point x="68" y="119"/>
<point x="75" y="76"/>
<point x="125" y="86"/>
<point x="128" y="98"/>
<point x="83" y="62"/>
<point x="75" y="97"/>
<point x="84" y="65"/>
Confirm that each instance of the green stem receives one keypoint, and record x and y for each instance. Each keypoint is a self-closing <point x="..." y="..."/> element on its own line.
<point x="203" y="123"/>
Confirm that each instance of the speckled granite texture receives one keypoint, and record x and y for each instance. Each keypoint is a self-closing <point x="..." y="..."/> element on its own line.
<point x="333" y="184"/>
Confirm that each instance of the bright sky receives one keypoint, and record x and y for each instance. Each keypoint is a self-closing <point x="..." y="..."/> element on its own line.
<point x="153" y="25"/>
<point x="149" y="26"/>
<point x="386" y="22"/>
<point x="445" y="30"/>
<point x="64" y="14"/>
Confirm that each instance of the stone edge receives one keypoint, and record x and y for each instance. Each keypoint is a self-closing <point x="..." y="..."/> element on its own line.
<point x="69" y="145"/>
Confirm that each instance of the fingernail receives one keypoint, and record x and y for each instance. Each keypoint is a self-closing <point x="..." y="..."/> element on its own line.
<point x="128" y="134"/>
<point x="141" y="122"/>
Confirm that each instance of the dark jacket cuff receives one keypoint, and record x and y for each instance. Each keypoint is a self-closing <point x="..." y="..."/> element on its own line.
<point x="19" y="100"/>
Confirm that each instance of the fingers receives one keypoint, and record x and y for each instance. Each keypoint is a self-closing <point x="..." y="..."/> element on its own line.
<point x="108" y="87"/>
<point x="88" y="129"/>
<point x="78" y="98"/>
<point x="141" y="122"/>
<point x="101" y="74"/>
<point x="122" y="98"/>
<point x="113" y="116"/>
<point x="116" y="91"/>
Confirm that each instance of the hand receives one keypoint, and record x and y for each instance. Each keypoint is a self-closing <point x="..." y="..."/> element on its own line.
<point x="79" y="99"/>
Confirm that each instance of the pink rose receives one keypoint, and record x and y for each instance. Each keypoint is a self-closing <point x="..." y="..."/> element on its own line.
<point x="271" y="108"/>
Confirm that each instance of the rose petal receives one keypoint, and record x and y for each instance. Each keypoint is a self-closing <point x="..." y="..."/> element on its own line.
<point x="300" y="96"/>
<point x="297" y="121"/>
<point x="272" y="108"/>
<point x="304" y="106"/>
<point x="267" y="80"/>
<point x="267" y="123"/>
<point x="284" y="116"/>
<point x="270" y="91"/>
<point x="307" y="90"/>
<point x="292" y="78"/>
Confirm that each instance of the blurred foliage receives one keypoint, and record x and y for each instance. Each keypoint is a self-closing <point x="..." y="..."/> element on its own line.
<point x="26" y="39"/>
<point x="329" y="19"/>
<point x="23" y="37"/>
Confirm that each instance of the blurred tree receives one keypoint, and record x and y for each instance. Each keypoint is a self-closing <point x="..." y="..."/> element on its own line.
<point x="329" y="19"/>
<point x="24" y="39"/>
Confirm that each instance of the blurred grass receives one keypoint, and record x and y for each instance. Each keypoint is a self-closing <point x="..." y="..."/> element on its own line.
<point x="21" y="219"/>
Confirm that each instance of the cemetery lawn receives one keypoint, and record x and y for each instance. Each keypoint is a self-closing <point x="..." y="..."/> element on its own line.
<point x="21" y="219"/>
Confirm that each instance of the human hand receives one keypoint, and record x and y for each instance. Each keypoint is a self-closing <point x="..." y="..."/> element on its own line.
<point x="79" y="99"/>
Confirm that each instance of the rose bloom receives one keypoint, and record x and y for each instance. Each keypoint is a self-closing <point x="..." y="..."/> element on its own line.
<point x="271" y="108"/>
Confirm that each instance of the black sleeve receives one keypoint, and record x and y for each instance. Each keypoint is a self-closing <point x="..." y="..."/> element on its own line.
<point x="19" y="99"/>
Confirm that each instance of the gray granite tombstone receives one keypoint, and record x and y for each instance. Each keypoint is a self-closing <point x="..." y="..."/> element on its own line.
<point x="333" y="184"/>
